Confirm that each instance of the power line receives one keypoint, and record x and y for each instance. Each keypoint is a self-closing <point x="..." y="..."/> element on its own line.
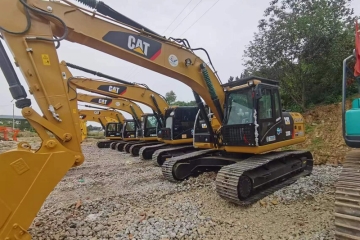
<point x="185" y="17"/>
<point x="200" y="17"/>
<point x="177" y="16"/>
<point x="133" y="70"/>
<point x="195" y="20"/>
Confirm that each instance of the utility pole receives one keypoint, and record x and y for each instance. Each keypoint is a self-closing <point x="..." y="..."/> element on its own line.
<point x="13" y="116"/>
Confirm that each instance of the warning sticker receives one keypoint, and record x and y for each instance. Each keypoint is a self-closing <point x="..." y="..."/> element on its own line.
<point x="45" y="59"/>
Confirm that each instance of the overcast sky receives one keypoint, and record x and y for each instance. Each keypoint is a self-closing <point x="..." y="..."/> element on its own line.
<point x="224" y="31"/>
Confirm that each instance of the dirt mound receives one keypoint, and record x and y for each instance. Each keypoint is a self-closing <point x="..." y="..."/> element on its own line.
<point x="323" y="129"/>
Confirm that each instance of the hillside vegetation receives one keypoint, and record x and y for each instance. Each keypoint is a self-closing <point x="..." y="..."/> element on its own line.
<point x="323" y="130"/>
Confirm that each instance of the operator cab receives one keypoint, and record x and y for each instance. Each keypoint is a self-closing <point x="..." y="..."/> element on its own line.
<point x="149" y="126"/>
<point x="129" y="129"/>
<point x="350" y="117"/>
<point x="253" y="115"/>
<point x="179" y="123"/>
<point x="113" y="129"/>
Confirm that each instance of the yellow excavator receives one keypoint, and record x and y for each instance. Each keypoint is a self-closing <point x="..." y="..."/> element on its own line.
<point x="252" y="124"/>
<point x="178" y="137"/>
<point x="100" y="116"/>
<point x="120" y="133"/>
<point x="347" y="194"/>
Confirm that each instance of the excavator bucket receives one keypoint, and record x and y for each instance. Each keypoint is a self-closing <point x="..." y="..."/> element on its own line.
<point x="26" y="179"/>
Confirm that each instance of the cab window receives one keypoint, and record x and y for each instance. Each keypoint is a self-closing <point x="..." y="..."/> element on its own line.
<point x="265" y="105"/>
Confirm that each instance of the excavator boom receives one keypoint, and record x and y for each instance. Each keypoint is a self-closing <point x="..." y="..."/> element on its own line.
<point x="103" y="117"/>
<point x="154" y="53"/>
<point x="133" y="92"/>
<point x="114" y="103"/>
<point x="93" y="115"/>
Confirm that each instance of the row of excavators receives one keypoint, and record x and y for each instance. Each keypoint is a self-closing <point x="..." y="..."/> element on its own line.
<point x="236" y="129"/>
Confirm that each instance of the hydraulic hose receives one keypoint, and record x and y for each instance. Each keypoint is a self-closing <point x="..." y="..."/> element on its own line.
<point x="106" y="10"/>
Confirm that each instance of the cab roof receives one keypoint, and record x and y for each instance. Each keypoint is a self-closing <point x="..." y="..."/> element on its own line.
<point x="245" y="80"/>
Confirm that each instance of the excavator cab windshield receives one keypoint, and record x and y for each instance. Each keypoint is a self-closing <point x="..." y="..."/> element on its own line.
<point x="240" y="107"/>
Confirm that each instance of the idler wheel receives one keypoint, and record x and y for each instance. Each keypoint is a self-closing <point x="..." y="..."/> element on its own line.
<point x="244" y="187"/>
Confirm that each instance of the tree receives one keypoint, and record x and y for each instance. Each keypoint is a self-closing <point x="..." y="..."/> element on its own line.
<point x="302" y="44"/>
<point x="182" y="103"/>
<point x="170" y="97"/>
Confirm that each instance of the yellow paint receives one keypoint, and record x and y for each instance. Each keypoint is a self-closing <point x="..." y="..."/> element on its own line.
<point x="265" y="148"/>
<point x="139" y="50"/>
<point x="178" y="141"/>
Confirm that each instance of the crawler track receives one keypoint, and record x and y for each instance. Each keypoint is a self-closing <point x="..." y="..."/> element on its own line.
<point x="169" y="165"/>
<point x="229" y="178"/>
<point x="157" y="155"/>
<point x="260" y="172"/>
<point x="146" y="152"/>
<point x="347" y="199"/>
<point x="135" y="148"/>
<point x="128" y="145"/>
<point x="104" y="144"/>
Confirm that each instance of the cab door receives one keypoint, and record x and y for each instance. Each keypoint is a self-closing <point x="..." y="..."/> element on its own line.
<point x="270" y="120"/>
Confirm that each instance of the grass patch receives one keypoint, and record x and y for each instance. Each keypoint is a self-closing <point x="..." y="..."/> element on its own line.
<point x="309" y="128"/>
<point x="316" y="143"/>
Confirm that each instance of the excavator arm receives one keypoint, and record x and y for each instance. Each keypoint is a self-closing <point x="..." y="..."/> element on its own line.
<point x="31" y="175"/>
<point x="114" y="103"/>
<point x="129" y="91"/>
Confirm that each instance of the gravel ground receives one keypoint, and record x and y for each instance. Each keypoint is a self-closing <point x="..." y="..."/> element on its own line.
<point x="114" y="196"/>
